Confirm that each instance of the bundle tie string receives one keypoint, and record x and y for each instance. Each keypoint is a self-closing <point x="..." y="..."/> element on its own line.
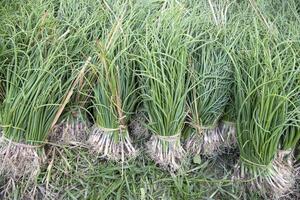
<point x="120" y="128"/>
<point x="246" y="161"/>
<point x="200" y="129"/>
<point x="169" y="138"/>
<point x="229" y="123"/>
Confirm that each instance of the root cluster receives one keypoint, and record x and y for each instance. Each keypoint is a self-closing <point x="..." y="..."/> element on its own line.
<point x="228" y="134"/>
<point x="276" y="181"/>
<point x="166" y="151"/>
<point x="137" y="127"/>
<point x="111" y="144"/>
<point x="18" y="160"/>
<point x="211" y="141"/>
<point x="70" y="132"/>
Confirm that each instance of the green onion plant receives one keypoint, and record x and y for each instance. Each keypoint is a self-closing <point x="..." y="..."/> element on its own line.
<point x="35" y="87"/>
<point x="163" y="62"/>
<point x="114" y="94"/>
<point x="211" y="77"/>
<point x="81" y="19"/>
<point x="262" y="106"/>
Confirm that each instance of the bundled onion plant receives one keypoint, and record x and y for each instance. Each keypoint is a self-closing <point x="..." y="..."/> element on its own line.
<point x="35" y="88"/>
<point x="80" y="19"/>
<point x="211" y="78"/>
<point x="73" y="125"/>
<point x="138" y="125"/>
<point x="262" y="106"/>
<point x="114" y="95"/>
<point x="207" y="100"/>
<point x="163" y="62"/>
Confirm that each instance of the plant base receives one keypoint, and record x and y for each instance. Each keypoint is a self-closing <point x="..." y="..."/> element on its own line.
<point x="166" y="151"/>
<point x="207" y="143"/>
<point x="113" y="145"/>
<point x="70" y="132"/>
<point x="211" y="141"/>
<point x="137" y="127"/>
<point x="228" y="134"/>
<point x="18" y="160"/>
<point x="273" y="183"/>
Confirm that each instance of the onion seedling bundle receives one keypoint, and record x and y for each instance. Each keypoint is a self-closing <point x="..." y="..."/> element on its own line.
<point x="262" y="110"/>
<point x="73" y="126"/>
<point x="81" y="19"/>
<point x="208" y="98"/>
<point x="114" y="95"/>
<point x="211" y="78"/>
<point x="138" y="124"/>
<point x="34" y="86"/>
<point x="163" y="58"/>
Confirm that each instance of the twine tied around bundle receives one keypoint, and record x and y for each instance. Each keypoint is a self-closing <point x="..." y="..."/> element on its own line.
<point x="200" y="129"/>
<point x="9" y="141"/>
<point x="120" y="128"/>
<point x="169" y="138"/>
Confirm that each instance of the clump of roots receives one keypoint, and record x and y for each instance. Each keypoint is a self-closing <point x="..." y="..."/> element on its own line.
<point x="166" y="151"/>
<point x="137" y="127"/>
<point x="211" y="141"/>
<point x="111" y="144"/>
<point x="70" y="131"/>
<point x="18" y="161"/>
<point x="207" y="142"/>
<point x="228" y="134"/>
<point x="273" y="182"/>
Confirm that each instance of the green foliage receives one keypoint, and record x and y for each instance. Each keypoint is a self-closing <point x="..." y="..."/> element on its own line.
<point x="180" y="53"/>
<point x="261" y="99"/>
<point x="80" y="20"/>
<point x="115" y="90"/>
<point x="34" y="74"/>
<point x="163" y="61"/>
<point x="211" y="74"/>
